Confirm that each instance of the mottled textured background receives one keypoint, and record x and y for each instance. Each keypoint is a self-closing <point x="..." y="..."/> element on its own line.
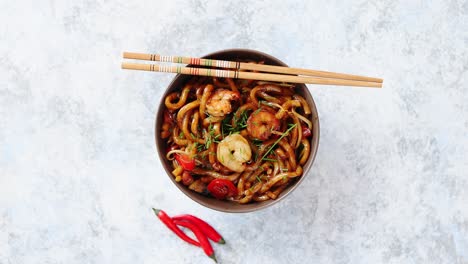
<point x="78" y="169"/>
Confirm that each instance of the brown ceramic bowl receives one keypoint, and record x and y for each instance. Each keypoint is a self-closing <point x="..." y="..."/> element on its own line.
<point x="222" y="205"/>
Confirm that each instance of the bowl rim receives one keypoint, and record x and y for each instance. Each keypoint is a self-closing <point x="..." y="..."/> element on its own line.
<point x="242" y="208"/>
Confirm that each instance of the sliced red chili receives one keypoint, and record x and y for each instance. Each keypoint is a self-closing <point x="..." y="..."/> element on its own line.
<point x="221" y="188"/>
<point x="185" y="161"/>
<point x="306" y="132"/>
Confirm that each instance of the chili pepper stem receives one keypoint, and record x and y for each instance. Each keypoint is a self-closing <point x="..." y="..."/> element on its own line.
<point x="213" y="257"/>
<point x="202" y="239"/>
<point x="156" y="211"/>
<point x="222" y="241"/>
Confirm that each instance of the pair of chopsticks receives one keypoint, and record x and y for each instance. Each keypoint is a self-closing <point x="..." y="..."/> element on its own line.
<point x="238" y="70"/>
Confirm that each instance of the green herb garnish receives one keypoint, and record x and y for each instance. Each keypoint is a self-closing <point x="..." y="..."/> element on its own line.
<point x="200" y="147"/>
<point x="257" y="111"/>
<point x="208" y="142"/>
<point x="260" y="103"/>
<point x="238" y="123"/>
<point x="278" y="140"/>
<point x="257" y="142"/>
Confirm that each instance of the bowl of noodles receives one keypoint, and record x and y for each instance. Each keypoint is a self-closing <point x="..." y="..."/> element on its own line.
<point x="236" y="145"/>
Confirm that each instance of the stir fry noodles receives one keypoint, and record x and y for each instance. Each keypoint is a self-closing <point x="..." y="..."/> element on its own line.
<point x="240" y="140"/>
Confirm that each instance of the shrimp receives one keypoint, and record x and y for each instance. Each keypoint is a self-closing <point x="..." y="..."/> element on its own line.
<point x="261" y="124"/>
<point x="219" y="104"/>
<point x="233" y="152"/>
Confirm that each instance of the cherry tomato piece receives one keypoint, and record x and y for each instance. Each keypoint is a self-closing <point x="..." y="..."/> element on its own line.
<point x="185" y="161"/>
<point x="221" y="188"/>
<point x="306" y="132"/>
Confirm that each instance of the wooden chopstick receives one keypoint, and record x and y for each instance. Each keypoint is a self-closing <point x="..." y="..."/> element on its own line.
<point x="248" y="66"/>
<point x="247" y="75"/>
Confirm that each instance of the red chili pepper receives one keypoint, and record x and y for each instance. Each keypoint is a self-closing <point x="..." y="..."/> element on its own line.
<point x="204" y="243"/>
<point x="185" y="161"/>
<point x="207" y="229"/>
<point x="221" y="188"/>
<point x="306" y="132"/>
<point x="172" y="226"/>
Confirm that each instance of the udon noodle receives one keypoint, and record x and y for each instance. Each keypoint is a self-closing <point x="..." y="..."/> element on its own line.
<point x="253" y="134"/>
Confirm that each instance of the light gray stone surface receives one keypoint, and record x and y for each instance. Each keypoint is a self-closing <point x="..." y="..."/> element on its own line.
<point x="78" y="169"/>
